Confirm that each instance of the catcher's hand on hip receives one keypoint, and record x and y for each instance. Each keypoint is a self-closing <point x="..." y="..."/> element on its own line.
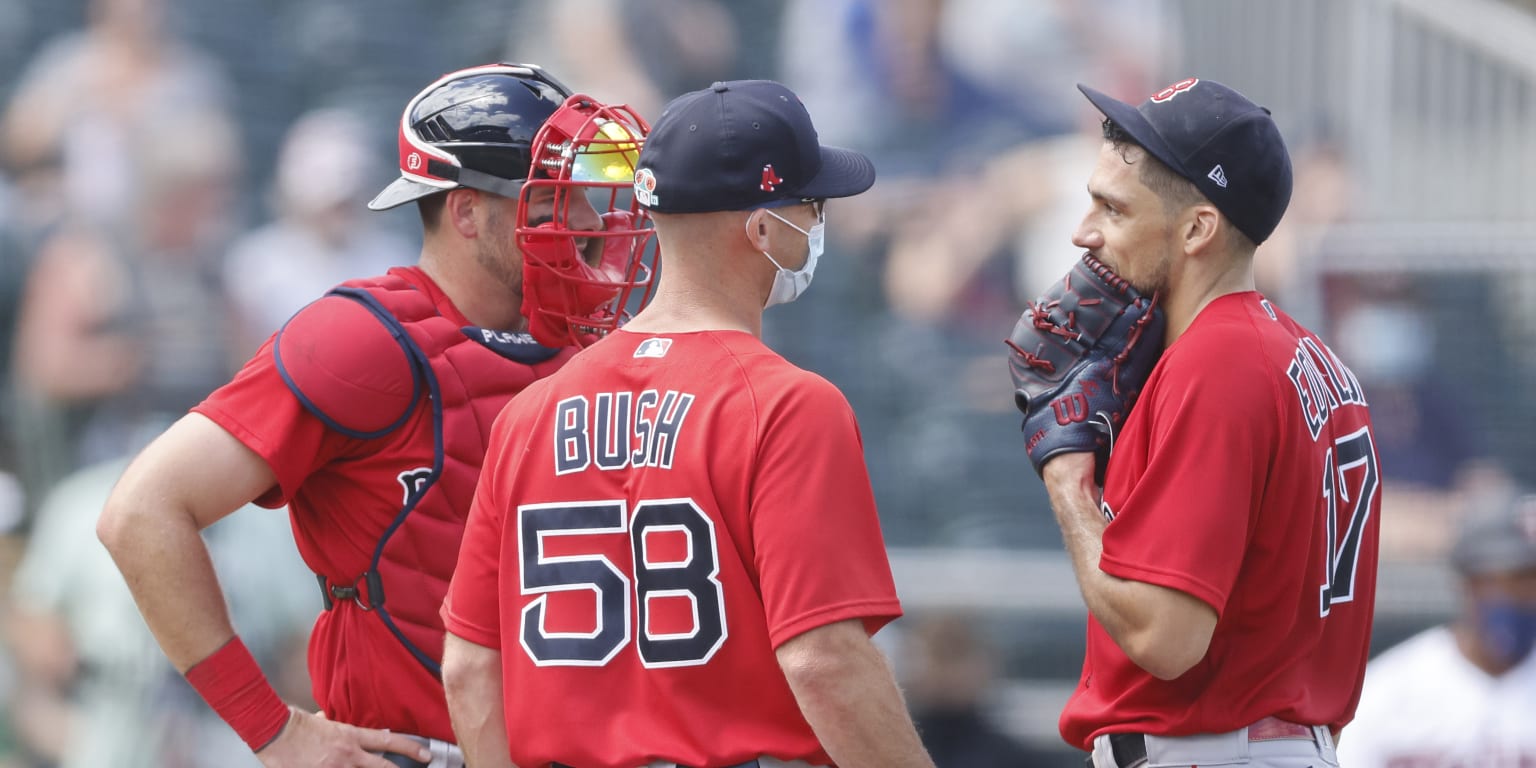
<point x="311" y="741"/>
<point x="1079" y="356"/>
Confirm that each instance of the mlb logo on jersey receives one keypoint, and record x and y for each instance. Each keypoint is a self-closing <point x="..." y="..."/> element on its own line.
<point x="653" y="348"/>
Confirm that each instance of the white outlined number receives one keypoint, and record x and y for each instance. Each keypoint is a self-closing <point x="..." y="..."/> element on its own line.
<point x="694" y="578"/>
<point x="1343" y="546"/>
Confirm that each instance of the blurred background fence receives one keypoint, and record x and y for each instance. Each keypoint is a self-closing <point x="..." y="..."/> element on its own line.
<point x="178" y="176"/>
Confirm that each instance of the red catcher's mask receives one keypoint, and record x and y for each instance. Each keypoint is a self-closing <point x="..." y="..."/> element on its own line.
<point x="578" y="283"/>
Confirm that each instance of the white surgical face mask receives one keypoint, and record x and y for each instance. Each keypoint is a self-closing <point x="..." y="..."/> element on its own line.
<point x="788" y="285"/>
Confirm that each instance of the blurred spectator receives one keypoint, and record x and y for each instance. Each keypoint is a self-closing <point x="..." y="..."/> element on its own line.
<point x="1463" y="694"/>
<point x="929" y="264"/>
<point x="1323" y="197"/>
<point x="95" y="690"/>
<point x="319" y="237"/>
<point x="119" y="333"/>
<point x="1431" y="459"/>
<point x="92" y="102"/>
<point x="935" y="86"/>
<point x="950" y="670"/>
<point x="703" y="41"/>
<point x="991" y="230"/>
<point x="14" y="262"/>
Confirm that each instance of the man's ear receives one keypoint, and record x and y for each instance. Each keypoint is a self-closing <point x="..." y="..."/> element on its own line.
<point x="459" y="211"/>
<point x="1200" y="230"/>
<point x="757" y="229"/>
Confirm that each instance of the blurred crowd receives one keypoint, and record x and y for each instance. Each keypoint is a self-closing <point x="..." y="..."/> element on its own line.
<point x="177" y="178"/>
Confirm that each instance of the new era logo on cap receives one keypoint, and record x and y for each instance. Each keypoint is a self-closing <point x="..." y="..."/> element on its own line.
<point x="740" y="144"/>
<point x="1219" y="176"/>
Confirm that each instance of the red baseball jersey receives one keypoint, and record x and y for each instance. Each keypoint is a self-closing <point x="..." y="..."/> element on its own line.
<point x="342" y="493"/>
<point x="1247" y="477"/>
<point x="651" y="523"/>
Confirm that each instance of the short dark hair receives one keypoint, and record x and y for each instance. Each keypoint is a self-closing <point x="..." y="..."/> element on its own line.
<point x="431" y="209"/>
<point x="1176" y="192"/>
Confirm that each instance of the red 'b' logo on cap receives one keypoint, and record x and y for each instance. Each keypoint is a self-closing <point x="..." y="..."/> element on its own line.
<point x="1174" y="90"/>
<point x="771" y="180"/>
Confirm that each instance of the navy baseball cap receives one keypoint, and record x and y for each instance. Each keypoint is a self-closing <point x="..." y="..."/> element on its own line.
<point x="738" y="145"/>
<point x="1500" y="539"/>
<point x="1214" y="136"/>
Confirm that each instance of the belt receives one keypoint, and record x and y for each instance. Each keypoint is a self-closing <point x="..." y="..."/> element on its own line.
<point x="367" y="591"/>
<point x="444" y="755"/>
<point x="1130" y="749"/>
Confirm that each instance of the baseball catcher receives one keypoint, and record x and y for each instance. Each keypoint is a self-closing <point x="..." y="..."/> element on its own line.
<point x="1079" y="356"/>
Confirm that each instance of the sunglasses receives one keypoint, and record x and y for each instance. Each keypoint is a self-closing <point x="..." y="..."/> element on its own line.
<point x="818" y="204"/>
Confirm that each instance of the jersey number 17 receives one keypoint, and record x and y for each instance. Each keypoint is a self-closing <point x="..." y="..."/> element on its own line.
<point x="1355" y="450"/>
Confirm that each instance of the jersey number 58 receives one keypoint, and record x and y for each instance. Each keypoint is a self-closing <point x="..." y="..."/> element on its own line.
<point x="692" y="577"/>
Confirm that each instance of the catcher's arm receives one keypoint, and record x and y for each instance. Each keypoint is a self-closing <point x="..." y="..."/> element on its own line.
<point x="187" y="479"/>
<point x="1079" y="356"/>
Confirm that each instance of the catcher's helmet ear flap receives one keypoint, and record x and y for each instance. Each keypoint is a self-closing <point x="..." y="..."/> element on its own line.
<point x="472" y="128"/>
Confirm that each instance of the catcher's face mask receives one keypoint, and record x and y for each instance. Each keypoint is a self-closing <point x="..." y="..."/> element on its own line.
<point x="578" y="285"/>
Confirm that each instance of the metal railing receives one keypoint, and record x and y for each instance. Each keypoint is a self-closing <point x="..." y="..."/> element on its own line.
<point x="1041" y="584"/>
<point x="1432" y="101"/>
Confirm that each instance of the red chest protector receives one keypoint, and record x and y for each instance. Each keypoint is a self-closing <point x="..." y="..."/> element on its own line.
<point x="465" y="375"/>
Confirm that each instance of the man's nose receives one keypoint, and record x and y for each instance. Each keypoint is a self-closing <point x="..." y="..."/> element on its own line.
<point x="580" y="215"/>
<point x="1087" y="236"/>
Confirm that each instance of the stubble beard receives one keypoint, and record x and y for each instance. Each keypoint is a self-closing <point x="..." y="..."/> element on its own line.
<point x="497" y="253"/>
<point x="1157" y="280"/>
<point x="1155" y="277"/>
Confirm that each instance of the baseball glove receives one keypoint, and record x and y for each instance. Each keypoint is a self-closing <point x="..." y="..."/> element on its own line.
<point x="1079" y="357"/>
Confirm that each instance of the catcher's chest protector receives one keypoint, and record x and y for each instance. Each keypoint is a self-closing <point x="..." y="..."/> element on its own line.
<point x="467" y="383"/>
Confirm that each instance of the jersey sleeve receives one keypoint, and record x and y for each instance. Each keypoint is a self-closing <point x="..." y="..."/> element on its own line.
<point x="1185" y="524"/>
<point x="472" y="608"/>
<point x="342" y="360"/>
<point x="820" y="555"/>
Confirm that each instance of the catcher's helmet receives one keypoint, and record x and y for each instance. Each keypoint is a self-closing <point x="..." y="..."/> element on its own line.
<point x="472" y="128"/>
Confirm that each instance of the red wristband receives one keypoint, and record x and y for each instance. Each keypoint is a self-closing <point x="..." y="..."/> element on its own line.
<point x="232" y="683"/>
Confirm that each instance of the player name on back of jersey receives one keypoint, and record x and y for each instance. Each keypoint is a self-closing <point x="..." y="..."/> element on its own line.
<point x="1323" y="383"/>
<point x="615" y="430"/>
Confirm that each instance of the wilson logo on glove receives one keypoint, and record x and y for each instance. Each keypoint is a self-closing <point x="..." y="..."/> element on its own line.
<point x="1070" y="409"/>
